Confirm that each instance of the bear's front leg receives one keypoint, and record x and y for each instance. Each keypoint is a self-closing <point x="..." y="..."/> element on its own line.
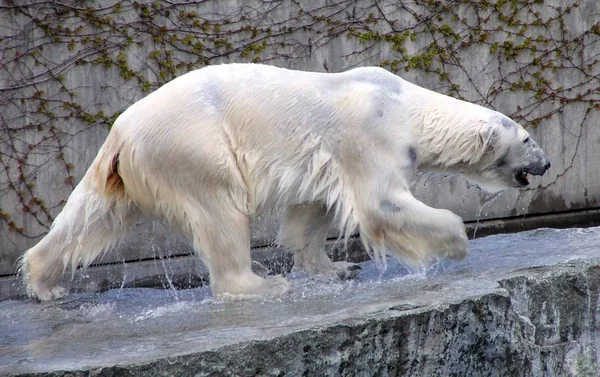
<point x="304" y="230"/>
<point x="411" y="230"/>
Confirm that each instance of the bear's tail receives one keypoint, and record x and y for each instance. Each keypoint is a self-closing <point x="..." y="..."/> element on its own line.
<point x="95" y="216"/>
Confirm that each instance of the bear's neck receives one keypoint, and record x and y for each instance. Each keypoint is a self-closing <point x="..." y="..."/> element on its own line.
<point x="447" y="131"/>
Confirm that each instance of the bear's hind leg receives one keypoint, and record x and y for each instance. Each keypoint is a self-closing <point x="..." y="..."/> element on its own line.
<point x="89" y="224"/>
<point x="221" y="238"/>
<point x="304" y="230"/>
<point x="42" y="266"/>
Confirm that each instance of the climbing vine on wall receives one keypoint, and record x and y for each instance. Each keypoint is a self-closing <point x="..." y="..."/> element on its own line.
<point x="69" y="68"/>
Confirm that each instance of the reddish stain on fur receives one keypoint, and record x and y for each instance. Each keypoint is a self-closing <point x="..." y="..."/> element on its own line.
<point x="114" y="183"/>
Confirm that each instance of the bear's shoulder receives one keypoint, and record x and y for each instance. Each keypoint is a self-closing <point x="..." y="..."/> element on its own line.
<point x="377" y="78"/>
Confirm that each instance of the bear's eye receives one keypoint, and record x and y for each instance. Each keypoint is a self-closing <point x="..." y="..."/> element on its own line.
<point x="526" y="139"/>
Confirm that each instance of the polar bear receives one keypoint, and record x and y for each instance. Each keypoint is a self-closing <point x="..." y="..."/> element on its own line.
<point x="212" y="148"/>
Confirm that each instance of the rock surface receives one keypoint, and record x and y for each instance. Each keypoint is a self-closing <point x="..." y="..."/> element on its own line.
<point x="524" y="304"/>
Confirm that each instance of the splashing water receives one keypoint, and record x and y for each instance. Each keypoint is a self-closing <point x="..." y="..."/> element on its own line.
<point x="122" y="325"/>
<point x="488" y="200"/>
<point x="537" y="247"/>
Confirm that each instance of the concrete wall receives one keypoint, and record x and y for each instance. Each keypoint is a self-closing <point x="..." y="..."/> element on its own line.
<point x="535" y="62"/>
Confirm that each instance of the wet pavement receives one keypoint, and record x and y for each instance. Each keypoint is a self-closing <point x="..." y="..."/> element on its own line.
<point x="134" y="326"/>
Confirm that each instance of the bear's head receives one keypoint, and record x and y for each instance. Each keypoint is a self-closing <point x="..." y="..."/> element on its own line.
<point x="510" y="155"/>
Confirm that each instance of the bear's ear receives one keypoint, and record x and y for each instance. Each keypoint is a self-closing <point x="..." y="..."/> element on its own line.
<point x="487" y="133"/>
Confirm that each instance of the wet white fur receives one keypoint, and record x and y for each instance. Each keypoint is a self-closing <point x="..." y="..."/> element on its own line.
<point x="216" y="146"/>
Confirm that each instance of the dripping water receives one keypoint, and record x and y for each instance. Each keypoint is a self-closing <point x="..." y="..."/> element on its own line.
<point x="488" y="200"/>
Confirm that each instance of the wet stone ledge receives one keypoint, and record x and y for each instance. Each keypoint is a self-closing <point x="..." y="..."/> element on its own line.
<point x="525" y="304"/>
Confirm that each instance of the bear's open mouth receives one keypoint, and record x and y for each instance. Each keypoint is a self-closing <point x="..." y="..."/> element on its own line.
<point x="522" y="177"/>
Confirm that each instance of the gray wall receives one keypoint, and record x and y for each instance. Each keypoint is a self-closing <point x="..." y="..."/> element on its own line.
<point x="66" y="72"/>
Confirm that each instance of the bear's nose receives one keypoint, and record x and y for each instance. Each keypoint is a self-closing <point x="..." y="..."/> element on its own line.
<point x="548" y="164"/>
